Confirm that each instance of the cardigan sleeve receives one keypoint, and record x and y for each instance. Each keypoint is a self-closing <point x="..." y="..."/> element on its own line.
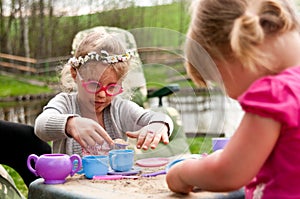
<point x="50" y="124"/>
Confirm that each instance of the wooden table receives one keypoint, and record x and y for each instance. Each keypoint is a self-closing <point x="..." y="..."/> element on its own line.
<point x="154" y="187"/>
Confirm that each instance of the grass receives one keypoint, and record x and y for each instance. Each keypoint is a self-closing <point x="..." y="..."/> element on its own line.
<point x="158" y="75"/>
<point x="15" y="86"/>
<point x="199" y="145"/>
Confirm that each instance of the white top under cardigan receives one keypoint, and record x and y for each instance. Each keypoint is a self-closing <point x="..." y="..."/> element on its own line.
<point x="125" y="116"/>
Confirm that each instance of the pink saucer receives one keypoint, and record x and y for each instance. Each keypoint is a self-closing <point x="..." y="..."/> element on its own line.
<point x="152" y="162"/>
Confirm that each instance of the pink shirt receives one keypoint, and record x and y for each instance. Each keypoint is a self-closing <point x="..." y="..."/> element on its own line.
<point x="277" y="97"/>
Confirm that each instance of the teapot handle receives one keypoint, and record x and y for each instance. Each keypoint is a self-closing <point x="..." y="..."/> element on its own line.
<point x="79" y="163"/>
<point x="34" y="158"/>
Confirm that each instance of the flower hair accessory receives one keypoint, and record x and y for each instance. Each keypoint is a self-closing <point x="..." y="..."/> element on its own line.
<point x="104" y="57"/>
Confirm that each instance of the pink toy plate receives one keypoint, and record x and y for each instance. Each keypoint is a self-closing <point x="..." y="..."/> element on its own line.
<point x="152" y="162"/>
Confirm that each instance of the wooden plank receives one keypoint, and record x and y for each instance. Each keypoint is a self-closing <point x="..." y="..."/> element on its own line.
<point x="19" y="67"/>
<point x="54" y="59"/>
<point x="158" y="49"/>
<point x="18" y="58"/>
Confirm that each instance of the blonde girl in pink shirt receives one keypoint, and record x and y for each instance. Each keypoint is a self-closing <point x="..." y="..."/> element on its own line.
<point x="255" y="45"/>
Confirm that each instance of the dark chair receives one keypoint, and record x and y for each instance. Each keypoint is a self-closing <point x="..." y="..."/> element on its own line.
<point x="18" y="141"/>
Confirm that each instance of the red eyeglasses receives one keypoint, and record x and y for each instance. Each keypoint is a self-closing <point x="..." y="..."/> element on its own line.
<point x="95" y="87"/>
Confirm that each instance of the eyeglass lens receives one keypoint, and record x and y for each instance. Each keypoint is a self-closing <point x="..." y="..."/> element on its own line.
<point x="111" y="89"/>
<point x="94" y="87"/>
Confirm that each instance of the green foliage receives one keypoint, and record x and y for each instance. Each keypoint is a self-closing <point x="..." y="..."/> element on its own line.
<point x="164" y="16"/>
<point x="18" y="180"/>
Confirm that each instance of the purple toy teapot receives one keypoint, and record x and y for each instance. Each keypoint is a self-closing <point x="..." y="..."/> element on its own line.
<point x="54" y="168"/>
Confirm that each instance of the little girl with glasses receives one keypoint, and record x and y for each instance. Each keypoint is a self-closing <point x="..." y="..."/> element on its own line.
<point x="255" y="45"/>
<point x="86" y="119"/>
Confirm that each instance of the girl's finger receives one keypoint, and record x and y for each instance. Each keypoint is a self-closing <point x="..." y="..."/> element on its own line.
<point x="97" y="138"/>
<point x="82" y="143"/>
<point x="89" y="141"/>
<point x="165" y="138"/>
<point x="155" y="140"/>
<point x="148" y="139"/>
<point x="141" y="139"/>
<point x="132" y="134"/>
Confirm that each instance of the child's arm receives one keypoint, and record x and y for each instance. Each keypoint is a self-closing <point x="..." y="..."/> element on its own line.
<point x="235" y="166"/>
<point x="58" y="121"/>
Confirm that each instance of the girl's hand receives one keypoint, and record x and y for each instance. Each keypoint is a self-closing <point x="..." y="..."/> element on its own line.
<point x="87" y="132"/>
<point x="174" y="181"/>
<point x="150" y="135"/>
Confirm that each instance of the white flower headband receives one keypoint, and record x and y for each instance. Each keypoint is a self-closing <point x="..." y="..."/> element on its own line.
<point x="104" y="57"/>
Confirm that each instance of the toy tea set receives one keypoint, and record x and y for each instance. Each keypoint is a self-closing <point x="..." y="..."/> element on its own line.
<point x="55" y="168"/>
<point x="118" y="164"/>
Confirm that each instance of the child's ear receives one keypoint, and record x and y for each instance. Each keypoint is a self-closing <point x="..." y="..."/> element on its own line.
<point x="73" y="73"/>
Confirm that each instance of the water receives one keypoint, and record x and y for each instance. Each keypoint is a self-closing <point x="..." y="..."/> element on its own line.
<point x="21" y="112"/>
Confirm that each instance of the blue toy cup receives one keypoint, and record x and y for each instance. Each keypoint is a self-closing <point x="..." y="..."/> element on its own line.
<point x="121" y="159"/>
<point x="219" y="143"/>
<point x="95" y="165"/>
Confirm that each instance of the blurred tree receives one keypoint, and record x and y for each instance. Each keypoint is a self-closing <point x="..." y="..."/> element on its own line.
<point x="41" y="52"/>
<point x="45" y="28"/>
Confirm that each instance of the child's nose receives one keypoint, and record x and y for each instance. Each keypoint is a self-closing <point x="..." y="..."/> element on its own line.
<point x="101" y="94"/>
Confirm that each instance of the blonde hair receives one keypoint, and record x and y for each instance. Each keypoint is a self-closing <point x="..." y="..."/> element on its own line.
<point x="95" y="42"/>
<point x="233" y="29"/>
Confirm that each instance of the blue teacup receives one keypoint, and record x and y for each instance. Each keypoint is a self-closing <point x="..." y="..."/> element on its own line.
<point x="95" y="165"/>
<point x="121" y="159"/>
